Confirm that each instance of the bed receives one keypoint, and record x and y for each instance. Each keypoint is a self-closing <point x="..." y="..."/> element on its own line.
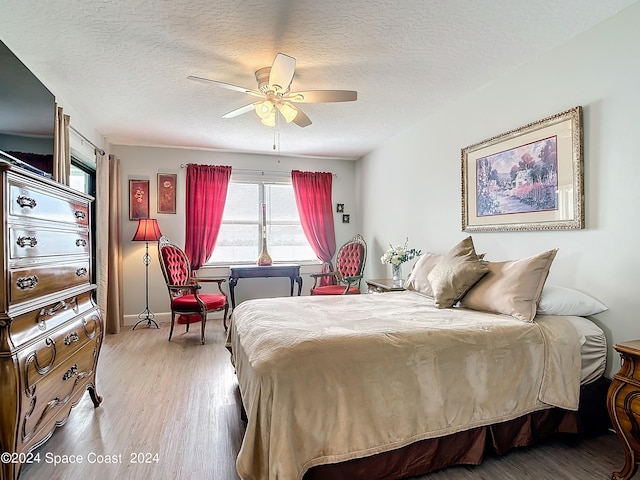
<point x="393" y="385"/>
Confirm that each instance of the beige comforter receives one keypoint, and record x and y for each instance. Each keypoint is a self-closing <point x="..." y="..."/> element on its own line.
<point x="327" y="379"/>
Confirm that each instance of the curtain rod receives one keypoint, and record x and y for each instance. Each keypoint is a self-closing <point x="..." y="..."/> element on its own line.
<point x="86" y="140"/>
<point x="262" y="172"/>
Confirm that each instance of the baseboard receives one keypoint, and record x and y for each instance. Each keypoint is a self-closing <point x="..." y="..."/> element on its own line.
<point x="162" y="317"/>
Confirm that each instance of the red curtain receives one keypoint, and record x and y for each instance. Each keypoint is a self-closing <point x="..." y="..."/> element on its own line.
<point x="206" y="196"/>
<point x="313" y="198"/>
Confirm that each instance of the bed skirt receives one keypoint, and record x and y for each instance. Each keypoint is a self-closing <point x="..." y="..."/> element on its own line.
<point x="471" y="446"/>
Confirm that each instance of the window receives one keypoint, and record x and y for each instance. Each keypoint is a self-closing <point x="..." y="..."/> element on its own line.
<point x="81" y="178"/>
<point x="240" y="237"/>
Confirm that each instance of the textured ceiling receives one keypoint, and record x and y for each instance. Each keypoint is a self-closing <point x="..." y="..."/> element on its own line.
<point x="124" y="64"/>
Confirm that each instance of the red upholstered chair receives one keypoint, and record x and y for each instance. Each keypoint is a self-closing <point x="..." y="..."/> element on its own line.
<point x="350" y="262"/>
<point x="186" y="301"/>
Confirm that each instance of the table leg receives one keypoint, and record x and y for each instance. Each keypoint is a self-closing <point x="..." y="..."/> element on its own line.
<point x="299" y="282"/>
<point x="232" y="285"/>
<point x="624" y="423"/>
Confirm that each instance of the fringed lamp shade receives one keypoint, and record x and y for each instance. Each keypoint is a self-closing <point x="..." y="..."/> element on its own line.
<point x="148" y="231"/>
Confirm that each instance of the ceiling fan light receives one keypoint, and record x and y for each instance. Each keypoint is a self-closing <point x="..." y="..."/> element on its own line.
<point x="288" y="112"/>
<point x="264" y="109"/>
<point x="270" y="120"/>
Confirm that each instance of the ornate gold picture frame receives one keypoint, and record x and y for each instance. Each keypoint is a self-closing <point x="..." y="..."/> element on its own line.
<point x="530" y="178"/>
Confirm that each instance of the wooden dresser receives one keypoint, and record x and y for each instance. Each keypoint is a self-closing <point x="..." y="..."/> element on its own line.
<point x="50" y="327"/>
<point x="623" y="403"/>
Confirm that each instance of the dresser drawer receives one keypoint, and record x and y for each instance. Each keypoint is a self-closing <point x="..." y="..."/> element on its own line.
<point x="46" y="320"/>
<point x="29" y="201"/>
<point x="32" y="282"/>
<point x="32" y="243"/>
<point x="630" y="421"/>
<point x="628" y="397"/>
<point x="64" y="384"/>
<point x="52" y="350"/>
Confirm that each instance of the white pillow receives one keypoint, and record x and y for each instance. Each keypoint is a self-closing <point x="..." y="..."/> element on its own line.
<point x="567" y="301"/>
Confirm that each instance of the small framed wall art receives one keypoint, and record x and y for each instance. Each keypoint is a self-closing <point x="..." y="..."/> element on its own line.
<point x="167" y="192"/>
<point x="138" y="199"/>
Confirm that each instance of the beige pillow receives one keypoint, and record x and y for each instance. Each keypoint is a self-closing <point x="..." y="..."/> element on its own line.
<point x="456" y="273"/>
<point x="418" y="280"/>
<point x="512" y="287"/>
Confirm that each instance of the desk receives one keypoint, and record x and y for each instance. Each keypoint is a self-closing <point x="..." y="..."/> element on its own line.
<point x="257" y="271"/>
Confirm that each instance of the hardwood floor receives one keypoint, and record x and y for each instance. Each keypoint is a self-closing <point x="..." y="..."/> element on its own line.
<point x="175" y="405"/>
<point x="177" y="400"/>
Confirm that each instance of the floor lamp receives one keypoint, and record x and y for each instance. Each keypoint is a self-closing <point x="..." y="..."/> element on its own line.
<point x="148" y="231"/>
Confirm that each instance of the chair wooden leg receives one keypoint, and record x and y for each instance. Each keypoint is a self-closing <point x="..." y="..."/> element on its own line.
<point x="204" y="321"/>
<point x="173" y="321"/>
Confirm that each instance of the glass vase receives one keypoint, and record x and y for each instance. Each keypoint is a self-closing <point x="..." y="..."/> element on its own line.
<point x="264" y="259"/>
<point x="397" y="275"/>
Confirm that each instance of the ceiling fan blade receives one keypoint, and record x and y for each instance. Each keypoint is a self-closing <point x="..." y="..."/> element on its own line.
<point x="301" y="118"/>
<point x="322" y="96"/>
<point x="228" y="86"/>
<point x="282" y="72"/>
<point x="240" y="111"/>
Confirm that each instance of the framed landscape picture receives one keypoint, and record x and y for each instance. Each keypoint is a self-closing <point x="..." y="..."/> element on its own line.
<point x="530" y="178"/>
<point x="167" y="192"/>
<point x="138" y="199"/>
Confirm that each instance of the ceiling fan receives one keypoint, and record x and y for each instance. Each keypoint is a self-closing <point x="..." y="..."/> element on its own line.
<point x="274" y="85"/>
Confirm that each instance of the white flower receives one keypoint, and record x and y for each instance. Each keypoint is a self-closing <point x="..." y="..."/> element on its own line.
<point x="398" y="254"/>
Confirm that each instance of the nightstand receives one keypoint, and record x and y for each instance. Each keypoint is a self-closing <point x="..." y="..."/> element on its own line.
<point x="623" y="403"/>
<point x="382" y="286"/>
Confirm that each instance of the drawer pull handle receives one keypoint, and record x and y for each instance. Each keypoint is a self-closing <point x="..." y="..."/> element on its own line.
<point x="81" y="242"/>
<point x="25" y="201"/>
<point x="71" y="338"/>
<point x="27" y="283"/>
<point x="81" y="272"/>
<point x="61" y="305"/>
<point x="80" y="214"/>
<point x="27" y="241"/>
<point x="72" y="372"/>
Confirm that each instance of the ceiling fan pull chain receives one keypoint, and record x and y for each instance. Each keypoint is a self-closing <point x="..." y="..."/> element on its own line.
<point x="276" y="135"/>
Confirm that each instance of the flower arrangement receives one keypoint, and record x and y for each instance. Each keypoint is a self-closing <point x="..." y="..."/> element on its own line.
<point x="399" y="254"/>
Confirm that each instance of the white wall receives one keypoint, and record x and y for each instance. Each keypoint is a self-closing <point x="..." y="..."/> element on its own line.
<point x="146" y="162"/>
<point x="599" y="70"/>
